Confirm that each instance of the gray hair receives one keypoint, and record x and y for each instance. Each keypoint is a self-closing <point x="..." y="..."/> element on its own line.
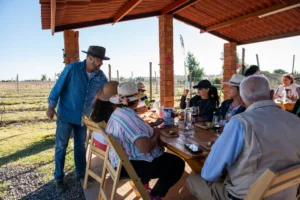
<point x="255" y="88"/>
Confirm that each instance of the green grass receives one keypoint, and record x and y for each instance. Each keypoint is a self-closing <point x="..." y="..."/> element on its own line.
<point x="26" y="136"/>
<point x="3" y="189"/>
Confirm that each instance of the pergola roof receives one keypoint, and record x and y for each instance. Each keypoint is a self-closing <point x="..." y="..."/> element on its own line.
<point x="241" y="21"/>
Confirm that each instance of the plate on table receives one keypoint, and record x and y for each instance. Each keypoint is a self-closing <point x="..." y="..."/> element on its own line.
<point x="204" y="125"/>
<point x="207" y="145"/>
<point x="169" y="133"/>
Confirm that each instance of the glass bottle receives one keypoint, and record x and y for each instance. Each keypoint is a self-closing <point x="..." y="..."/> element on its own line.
<point x="188" y="115"/>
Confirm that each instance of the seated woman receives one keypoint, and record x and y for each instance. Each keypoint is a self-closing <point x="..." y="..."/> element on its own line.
<point x="207" y="100"/>
<point x="233" y="105"/>
<point x="289" y="86"/>
<point x="102" y="111"/>
<point x="296" y="109"/>
<point x="253" y="69"/>
<point x="140" y="143"/>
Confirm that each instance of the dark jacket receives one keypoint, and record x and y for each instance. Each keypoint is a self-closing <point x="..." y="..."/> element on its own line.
<point x="222" y="110"/>
<point x="207" y="107"/>
<point x="296" y="109"/>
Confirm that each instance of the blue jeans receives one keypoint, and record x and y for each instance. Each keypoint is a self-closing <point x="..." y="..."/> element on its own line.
<point x="63" y="132"/>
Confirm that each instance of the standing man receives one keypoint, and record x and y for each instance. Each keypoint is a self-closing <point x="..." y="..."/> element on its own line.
<point x="75" y="91"/>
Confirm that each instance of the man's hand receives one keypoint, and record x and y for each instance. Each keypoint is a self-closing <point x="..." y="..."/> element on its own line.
<point x="185" y="92"/>
<point x="50" y="112"/>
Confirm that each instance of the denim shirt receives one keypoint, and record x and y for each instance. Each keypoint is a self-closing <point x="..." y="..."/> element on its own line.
<point x="75" y="91"/>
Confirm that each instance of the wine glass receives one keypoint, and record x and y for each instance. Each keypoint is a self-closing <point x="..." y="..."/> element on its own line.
<point x="195" y="113"/>
<point x="217" y="123"/>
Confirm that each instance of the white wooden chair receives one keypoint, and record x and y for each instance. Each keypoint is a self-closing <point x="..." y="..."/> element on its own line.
<point x="270" y="183"/>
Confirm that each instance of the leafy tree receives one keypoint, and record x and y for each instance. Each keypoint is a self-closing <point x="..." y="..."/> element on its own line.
<point x="217" y="80"/>
<point x="44" y="77"/>
<point x="279" y="71"/>
<point x="122" y="79"/>
<point x="194" y="68"/>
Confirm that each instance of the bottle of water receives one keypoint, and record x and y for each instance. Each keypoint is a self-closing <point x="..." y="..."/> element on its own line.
<point x="188" y="115"/>
<point x="283" y="98"/>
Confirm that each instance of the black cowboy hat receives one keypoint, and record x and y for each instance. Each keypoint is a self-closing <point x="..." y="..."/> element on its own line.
<point x="97" y="51"/>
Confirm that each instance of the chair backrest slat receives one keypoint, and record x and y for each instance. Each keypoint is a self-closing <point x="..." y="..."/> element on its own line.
<point x="270" y="183"/>
<point x="113" y="143"/>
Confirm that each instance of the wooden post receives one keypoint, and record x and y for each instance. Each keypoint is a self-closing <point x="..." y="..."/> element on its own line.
<point x="243" y="60"/>
<point x="150" y="82"/>
<point x="17" y="82"/>
<point x="131" y="76"/>
<point x="118" y="76"/>
<point x="257" y="60"/>
<point x="190" y="85"/>
<point x="54" y="78"/>
<point x="109" y="72"/>
<point x="293" y="64"/>
<point x="156" y="84"/>
<point x="49" y="82"/>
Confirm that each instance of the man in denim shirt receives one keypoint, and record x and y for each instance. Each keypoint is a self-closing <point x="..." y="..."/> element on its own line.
<point x="75" y="91"/>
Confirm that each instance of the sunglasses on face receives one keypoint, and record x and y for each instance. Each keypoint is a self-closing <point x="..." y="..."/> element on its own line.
<point x="143" y="98"/>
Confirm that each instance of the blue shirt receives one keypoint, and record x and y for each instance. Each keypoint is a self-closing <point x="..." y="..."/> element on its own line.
<point x="75" y="92"/>
<point x="225" y="151"/>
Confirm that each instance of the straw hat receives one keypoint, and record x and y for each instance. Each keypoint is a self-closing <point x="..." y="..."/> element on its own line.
<point x="141" y="86"/>
<point x="110" y="89"/>
<point x="127" y="92"/>
<point x="235" y="80"/>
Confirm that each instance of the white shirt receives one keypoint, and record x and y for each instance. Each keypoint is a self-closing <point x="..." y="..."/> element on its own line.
<point x="292" y="87"/>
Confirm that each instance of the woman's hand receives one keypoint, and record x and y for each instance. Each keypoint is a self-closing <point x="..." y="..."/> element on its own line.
<point x="185" y="92"/>
<point x="159" y="121"/>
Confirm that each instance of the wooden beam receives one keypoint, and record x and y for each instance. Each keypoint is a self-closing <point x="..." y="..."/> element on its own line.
<point x="201" y="27"/>
<point x="251" y="15"/>
<point x="273" y="37"/>
<point x="53" y="11"/>
<point x="126" y="9"/>
<point x="173" y="6"/>
<point x="104" y="21"/>
<point x="184" y="6"/>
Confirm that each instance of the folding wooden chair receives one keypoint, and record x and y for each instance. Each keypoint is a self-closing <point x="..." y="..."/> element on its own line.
<point x="270" y="183"/>
<point x="92" y="150"/>
<point x="92" y="126"/>
<point x="115" y="173"/>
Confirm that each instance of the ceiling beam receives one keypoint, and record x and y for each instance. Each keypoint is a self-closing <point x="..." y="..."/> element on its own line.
<point x="53" y="12"/>
<point x="273" y="37"/>
<point x="201" y="27"/>
<point x="126" y="9"/>
<point x="173" y="6"/>
<point x="104" y="21"/>
<point x="251" y="15"/>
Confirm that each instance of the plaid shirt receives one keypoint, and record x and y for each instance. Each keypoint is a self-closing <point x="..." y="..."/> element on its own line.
<point x="126" y="126"/>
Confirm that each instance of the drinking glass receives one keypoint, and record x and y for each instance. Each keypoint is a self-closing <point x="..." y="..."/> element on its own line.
<point x="217" y="123"/>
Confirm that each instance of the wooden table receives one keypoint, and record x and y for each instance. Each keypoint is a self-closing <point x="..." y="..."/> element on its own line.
<point x="287" y="105"/>
<point x="196" y="136"/>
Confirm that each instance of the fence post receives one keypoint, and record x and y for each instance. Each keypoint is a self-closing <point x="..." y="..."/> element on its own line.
<point x="150" y="68"/>
<point x="293" y="64"/>
<point x="118" y="78"/>
<point x="156" y="85"/>
<point x="243" y="61"/>
<point x="17" y="82"/>
<point x="257" y="60"/>
<point x="109" y="72"/>
<point x="190" y="85"/>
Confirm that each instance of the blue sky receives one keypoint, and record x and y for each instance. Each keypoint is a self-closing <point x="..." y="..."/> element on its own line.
<point x="29" y="51"/>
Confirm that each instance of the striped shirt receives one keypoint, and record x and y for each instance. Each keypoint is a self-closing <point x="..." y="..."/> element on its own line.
<point x="126" y="126"/>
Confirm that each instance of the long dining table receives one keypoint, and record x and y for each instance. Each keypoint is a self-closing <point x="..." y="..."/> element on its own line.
<point x="197" y="136"/>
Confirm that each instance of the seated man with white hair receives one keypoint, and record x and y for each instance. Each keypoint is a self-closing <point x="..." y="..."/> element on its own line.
<point x="262" y="137"/>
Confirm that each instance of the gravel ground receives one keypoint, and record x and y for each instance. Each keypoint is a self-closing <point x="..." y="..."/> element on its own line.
<point x="25" y="183"/>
